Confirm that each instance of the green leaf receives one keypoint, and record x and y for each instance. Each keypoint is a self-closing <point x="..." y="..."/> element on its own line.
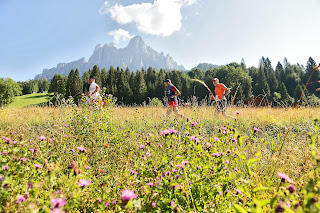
<point x="242" y="156"/>
<point x="239" y="208"/>
<point x="260" y="189"/>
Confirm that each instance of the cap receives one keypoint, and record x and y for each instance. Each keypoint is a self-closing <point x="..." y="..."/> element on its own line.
<point x="167" y="80"/>
<point x="215" y="79"/>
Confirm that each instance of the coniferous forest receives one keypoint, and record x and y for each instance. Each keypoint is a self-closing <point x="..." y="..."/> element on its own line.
<point x="282" y="85"/>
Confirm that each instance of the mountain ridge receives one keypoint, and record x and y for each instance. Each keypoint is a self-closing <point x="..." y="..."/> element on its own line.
<point x="135" y="55"/>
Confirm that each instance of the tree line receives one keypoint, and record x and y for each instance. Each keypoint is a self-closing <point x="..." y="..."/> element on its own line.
<point x="283" y="85"/>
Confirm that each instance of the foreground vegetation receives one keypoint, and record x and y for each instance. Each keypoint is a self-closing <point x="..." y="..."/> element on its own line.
<point x="131" y="159"/>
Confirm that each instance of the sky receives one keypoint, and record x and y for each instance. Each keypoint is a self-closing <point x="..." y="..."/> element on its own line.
<point x="37" y="34"/>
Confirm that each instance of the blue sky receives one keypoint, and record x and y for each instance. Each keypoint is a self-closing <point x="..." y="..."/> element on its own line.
<point x="37" y="34"/>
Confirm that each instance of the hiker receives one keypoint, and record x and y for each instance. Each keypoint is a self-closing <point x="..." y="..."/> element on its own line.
<point x="94" y="89"/>
<point x="221" y="91"/>
<point x="173" y="93"/>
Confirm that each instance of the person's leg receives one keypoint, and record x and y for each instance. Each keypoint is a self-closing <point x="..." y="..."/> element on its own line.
<point x="175" y="109"/>
<point x="169" y="110"/>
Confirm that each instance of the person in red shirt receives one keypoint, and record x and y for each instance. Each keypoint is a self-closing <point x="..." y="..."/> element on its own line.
<point x="173" y="93"/>
<point x="221" y="91"/>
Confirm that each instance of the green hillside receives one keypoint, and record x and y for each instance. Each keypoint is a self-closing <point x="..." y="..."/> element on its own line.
<point x="29" y="100"/>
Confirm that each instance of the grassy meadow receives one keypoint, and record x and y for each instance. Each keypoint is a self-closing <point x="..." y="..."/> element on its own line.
<point x="122" y="159"/>
<point x="29" y="100"/>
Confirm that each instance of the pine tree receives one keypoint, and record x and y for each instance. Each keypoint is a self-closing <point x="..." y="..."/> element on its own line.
<point x="261" y="86"/>
<point x="58" y="85"/>
<point x="315" y="77"/>
<point x="297" y="93"/>
<point x="124" y="90"/>
<point x="104" y="77"/>
<point x="76" y="87"/>
<point x="96" y="73"/>
<point x="284" y="94"/>
<point x="140" y="88"/>
<point x="85" y="83"/>
<point x="70" y="83"/>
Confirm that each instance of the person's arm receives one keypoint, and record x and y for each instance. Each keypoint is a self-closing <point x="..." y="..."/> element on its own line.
<point x="177" y="93"/>
<point x="226" y="92"/>
<point x="175" y="89"/>
<point x="97" y="89"/>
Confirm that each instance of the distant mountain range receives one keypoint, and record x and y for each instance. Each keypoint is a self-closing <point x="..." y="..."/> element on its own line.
<point x="135" y="56"/>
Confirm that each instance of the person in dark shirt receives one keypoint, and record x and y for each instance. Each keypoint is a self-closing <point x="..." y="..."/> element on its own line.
<point x="173" y="93"/>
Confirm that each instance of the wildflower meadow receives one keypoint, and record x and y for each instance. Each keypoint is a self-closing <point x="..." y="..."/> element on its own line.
<point x="123" y="159"/>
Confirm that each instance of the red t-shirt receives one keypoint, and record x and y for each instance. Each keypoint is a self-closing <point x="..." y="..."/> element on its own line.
<point x="219" y="90"/>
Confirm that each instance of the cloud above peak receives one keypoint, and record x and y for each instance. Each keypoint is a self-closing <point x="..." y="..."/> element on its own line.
<point x="120" y="35"/>
<point x="161" y="18"/>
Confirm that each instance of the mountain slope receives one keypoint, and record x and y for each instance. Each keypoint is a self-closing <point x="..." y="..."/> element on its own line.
<point x="135" y="56"/>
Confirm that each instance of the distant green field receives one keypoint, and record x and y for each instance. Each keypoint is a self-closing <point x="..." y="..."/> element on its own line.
<point x="29" y="100"/>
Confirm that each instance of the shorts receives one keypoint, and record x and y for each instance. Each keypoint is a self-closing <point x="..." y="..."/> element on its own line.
<point x="173" y="103"/>
<point x="221" y="105"/>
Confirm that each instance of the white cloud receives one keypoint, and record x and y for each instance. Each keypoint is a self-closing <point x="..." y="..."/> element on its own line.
<point x="163" y="17"/>
<point x="120" y="35"/>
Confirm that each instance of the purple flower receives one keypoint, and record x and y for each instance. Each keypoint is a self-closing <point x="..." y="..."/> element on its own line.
<point x="284" y="177"/>
<point x="88" y="167"/>
<point x="99" y="200"/>
<point x="81" y="149"/>
<point x="142" y="146"/>
<point x="227" y="162"/>
<point x="106" y="204"/>
<point x="255" y="129"/>
<point x="23" y="159"/>
<point x="148" y="154"/>
<point x="159" y="145"/>
<point x="208" y="145"/>
<point x="127" y="195"/>
<point x="172" y="131"/>
<point x="185" y="162"/>
<point x="172" y="203"/>
<point x="50" y="140"/>
<point x="292" y="188"/>
<point x="238" y="112"/>
<point x="58" y="203"/>
<point x="5" y="168"/>
<point x="58" y="192"/>
<point x="72" y="150"/>
<point x="216" y="139"/>
<point x="236" y="169"/>
<point x="239" y="192"/>
<point x="20" y="199"/>
<point x="178" y="176"/>
<point x="83" y="182"/>
<point x="154" y="205"/>
<point x="30" y="185"/>
<point x="133" y="172"/>
<point x="194" y="138"/>
<point x="174" y="170"/>
<point x="37" y="166"/>
<point x="1" y="178"/>
<point x="194" y="123"/>
<point x="5" y="153"/>
<point x="42" y="138"/>
<point x="165" y="132"/>
<point x="31" y="150"/>
<point x="149" y="184"/>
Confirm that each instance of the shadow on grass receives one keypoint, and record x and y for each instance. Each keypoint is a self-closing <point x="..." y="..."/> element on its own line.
<point x="37" y="96"/>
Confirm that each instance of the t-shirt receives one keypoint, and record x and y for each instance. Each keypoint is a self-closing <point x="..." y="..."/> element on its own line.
<point x="92" y="87"/>
<point x="172" y="91"/>
<point x="219" y="90"/>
